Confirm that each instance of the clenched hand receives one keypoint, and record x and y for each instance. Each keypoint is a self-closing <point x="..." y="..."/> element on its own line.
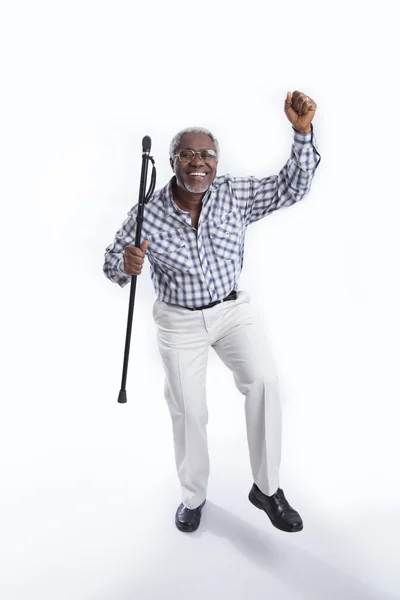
<point x="300" y="110"/>
<point x="134" y="258"/>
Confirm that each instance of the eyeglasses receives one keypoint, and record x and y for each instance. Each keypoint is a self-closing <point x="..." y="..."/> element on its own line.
<point x="188" y="155"/>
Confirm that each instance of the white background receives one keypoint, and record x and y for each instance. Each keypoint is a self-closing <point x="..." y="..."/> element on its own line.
<point x="88" y="486"/>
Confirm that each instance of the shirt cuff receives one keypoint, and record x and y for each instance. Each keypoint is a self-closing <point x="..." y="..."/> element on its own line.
<point x="121" y="266"/>
<point x="303" y="137"/>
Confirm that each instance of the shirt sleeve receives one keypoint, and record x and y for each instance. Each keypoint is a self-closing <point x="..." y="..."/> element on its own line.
<point x="262" y="196"/>
<point x="113" y="267"/>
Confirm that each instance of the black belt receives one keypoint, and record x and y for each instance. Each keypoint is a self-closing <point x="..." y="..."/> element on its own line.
<point x="231" y="296"/>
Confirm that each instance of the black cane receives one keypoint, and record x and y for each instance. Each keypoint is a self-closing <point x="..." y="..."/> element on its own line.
<point x="143" y="199"/>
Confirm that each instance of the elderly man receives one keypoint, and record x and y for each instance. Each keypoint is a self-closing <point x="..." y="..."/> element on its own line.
<point x="193" y="235"/>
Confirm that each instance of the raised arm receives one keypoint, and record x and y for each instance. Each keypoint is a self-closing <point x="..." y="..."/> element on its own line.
<point x="259" y="197"/>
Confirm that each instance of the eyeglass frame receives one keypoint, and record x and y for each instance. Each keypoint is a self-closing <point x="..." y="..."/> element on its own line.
<point x="194" y="154"/>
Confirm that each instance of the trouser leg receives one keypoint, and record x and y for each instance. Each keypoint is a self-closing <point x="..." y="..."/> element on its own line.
<point x="183" y="346"/>
<point x="246" y="353"/>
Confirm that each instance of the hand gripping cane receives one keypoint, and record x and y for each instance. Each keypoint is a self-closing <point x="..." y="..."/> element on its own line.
<point x="143" y="199"/>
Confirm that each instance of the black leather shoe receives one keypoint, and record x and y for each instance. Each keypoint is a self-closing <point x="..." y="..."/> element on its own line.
<point x="187" y="519"/>
<point x="281" y="514"/>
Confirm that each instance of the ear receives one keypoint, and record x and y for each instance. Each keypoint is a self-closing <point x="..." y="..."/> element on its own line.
<point x="171" y="162"/>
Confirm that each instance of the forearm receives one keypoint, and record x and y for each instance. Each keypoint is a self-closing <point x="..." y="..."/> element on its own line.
<point x="296" y="176"/>
<point x="113" y="267"/>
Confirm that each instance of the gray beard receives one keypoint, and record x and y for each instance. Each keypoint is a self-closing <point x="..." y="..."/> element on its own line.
<point x="197" y="189"/>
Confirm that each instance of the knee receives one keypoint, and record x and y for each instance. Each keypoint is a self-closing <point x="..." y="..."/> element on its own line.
<point x="259" y="383"/>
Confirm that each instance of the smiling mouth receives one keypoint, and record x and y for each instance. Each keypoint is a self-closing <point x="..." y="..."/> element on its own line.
<point x="197" y="175"/>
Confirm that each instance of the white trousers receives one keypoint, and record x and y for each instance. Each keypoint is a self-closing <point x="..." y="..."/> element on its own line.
<point x="184" y="337"/>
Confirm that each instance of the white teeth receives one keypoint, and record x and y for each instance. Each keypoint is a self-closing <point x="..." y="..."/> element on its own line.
<point x="201" y="174"/>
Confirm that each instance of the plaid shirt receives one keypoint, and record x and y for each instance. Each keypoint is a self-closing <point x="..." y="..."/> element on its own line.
<point x="193" y="267"/>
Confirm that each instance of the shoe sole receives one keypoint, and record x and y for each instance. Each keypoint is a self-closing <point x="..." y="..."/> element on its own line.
<point x="189" y="528"/>
<point x="185" y="529"/>
<point x="257" y="504"/>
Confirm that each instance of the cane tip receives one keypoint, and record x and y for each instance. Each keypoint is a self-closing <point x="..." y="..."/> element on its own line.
<point x="122" y="397"/>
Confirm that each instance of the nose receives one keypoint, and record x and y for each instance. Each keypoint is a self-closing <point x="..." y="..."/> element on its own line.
<point x="197" y="160"/>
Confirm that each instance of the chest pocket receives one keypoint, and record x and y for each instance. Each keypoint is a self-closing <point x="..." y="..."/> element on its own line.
<point x="169" y="249"/>
<point x="226" y="235"/>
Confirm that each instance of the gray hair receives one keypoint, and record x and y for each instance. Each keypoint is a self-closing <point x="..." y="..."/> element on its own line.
<point x="177" y="139"/>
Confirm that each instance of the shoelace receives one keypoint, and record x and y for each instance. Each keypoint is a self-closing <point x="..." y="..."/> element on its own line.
<point x="281" y="499"/>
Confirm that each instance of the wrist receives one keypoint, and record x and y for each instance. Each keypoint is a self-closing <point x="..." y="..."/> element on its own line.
<point x="303" y="131"/>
